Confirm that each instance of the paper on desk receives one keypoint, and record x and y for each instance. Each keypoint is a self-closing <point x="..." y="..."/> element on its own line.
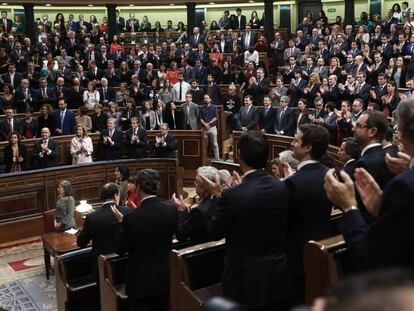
<point x="71" y="231"/>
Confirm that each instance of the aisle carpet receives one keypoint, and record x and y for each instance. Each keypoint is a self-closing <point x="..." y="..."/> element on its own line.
<point x="23" y="285"/>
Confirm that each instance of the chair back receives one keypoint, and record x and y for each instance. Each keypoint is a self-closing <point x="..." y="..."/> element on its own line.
<point x="49" y="221"/>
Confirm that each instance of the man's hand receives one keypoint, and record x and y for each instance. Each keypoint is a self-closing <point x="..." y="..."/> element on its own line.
<point x="214" y="188"/>
<point x="342" y="194"/>
<point x="368" y="190"/>
<point x="399" y="164"/>
<point x="57" y="224"/>
<point x="287" y="170"/>
<point x="236" y="179"/>
<point x="118" y="215"/>
<point x="179" y="203"/>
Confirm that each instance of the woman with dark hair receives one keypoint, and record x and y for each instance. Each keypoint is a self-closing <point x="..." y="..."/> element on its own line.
<point x="157" y="27"/>
<point x="121" y="179"/>
<point x="129" y="112"/>
<point x="7" y="98"/>
<point x="173" y="117"/>
<point x="99" y="119"/>
<point x="396" y="10"/>
<point x="399" y="73"/>
<point x="323" y="19"/>
<point x="30" y="127"/>
<point x="309" y="15"/>
<point x="180" y="27"/>
<point x="46" y="119"/>
<point x="254" y="20"/>
<point x="238" y="58"/>
<point x="15" y="154"/>
<point x="302" y="113"/>
<point x="132" y="200"/>
<point x="214" y="25"/>
<point x="65" y="207"/>
<point x="60" y="19"/>
<point x="391" y="100"/>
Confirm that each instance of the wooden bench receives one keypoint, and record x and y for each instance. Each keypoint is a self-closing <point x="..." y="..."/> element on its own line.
<point x="322" y="266"/>
<point x="75" y="283"/>
<point x="196" y="274"/>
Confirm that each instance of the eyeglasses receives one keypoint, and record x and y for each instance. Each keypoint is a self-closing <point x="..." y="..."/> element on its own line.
<point x="360" y="126"/>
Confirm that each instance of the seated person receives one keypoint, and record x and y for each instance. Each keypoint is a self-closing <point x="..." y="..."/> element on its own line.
<point x="165" y="144"/>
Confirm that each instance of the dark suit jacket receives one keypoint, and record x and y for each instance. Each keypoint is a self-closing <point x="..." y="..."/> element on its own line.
<point x="48" y="160"/>
<point x="192" y="225"/>
<point x="249" y="120"/>
<point x="255" y="271"/>
<point x="169" y="150"/>
<point x="267" y="121"/>
<point x="109" y="95"/>
<point x="330" y="124"/>
<point x="296" y="92"/>
<point x="4" y="128"/>
<point x="391" y="150"/>
<point x="151" y="226"/>
<point x="287" y="123"/>
<point x="253" y="40"/>
<point x="349" y="167"/>
<point x="333" y="95"/>
<point x="16" y="80"/>
<point x="102" y="228"/>
<point x="69" y="122"/>
<point x="373" y="160"/>
<point x="111" y="152"/>
<point x="242" y="24"/>
<point x="392" y="228"/>
<point x="309" y="211"/>
<point x="138" y="149"/>
<point x="8" y="157"/>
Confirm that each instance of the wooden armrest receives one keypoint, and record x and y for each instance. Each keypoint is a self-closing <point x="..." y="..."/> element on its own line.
<point x="189" y="299"/>
<point x="74" y="289"/>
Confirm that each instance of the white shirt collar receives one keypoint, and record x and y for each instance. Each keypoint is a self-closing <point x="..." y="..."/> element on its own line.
<point x="349" y="161"/>
<point x="303" y="163"/>
<point x="369" y="147"/>
<point x="386" y="146"/>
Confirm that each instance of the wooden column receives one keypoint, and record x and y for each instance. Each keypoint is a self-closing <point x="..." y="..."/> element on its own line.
<point x="29" y="21"/>
<point x="349" y="12"/>
<point x="111" y="10"/>
<point x="269" y="20"/>
<point x="191" y="18"/>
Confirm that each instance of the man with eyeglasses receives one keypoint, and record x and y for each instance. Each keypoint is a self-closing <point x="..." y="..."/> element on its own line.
<point x="369" y="131"/>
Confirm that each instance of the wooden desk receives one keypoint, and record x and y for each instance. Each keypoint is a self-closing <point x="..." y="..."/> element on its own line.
<point x="55" y="244"/>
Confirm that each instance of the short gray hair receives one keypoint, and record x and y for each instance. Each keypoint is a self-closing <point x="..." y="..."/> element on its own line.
<point x="285" y="99"/>
<point x="287" y="157"/>
<point x="405" y="117"/>
<point x="225" y="177"/>
<point x="209" y="172"/>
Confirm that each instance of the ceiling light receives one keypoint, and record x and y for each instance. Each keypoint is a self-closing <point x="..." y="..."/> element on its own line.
<point x="90" y="4"/>
<point x="48" y="4"/>
<point x="172" y="4"/>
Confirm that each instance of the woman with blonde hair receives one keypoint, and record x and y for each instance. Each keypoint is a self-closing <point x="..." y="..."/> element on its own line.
<point x="81" y="146"/>
<point x="312" y="89"/>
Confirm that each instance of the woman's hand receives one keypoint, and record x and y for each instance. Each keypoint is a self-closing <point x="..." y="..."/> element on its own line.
<point x="57" y="224"/>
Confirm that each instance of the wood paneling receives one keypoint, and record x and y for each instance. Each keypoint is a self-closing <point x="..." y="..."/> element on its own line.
<point x="24" y="196"/>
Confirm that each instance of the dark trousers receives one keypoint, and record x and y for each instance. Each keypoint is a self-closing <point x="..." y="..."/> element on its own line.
<point x="156" y="303"/>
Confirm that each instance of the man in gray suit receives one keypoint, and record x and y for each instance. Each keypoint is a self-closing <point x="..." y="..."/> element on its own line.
<point x="190" y="111"/>
<point x="292" y="51"/>
<point x="186" y="70"/>
<point x="249" y="115"/>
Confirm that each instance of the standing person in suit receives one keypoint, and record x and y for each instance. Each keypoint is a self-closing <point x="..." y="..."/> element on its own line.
<point x="331" y="93"/>
<point x="387" y="144"/>
<point x="196" y="38"/>
<point x="111" y="141"/>
<point x="285" y="121"/>
<point x="65" y="119"/>
<point x="267" y="116"/>
<point x="165" y="144"/>
<point x="349" y="152"/>
<point x="240" y="22"/>
<point x="136" y="140"/>
<point x="277" y="48"/>
<point x="248" y="38"/>
<point x="302" y="114"/>
<point x="101" y="227"/>
<point x="249" y="115"/>
<point x="393" y="208"/>
<point x="369" y="131"/>
<point x="26" y="97"/>
<point x="120" y="22"/>
<point x="7" y="23"/>
<point x="45" y="150"/>
<point x="252" y="217"/>
<point x="291" y="51"/>
<point x="12" y="77"/>
<point x="8" y="124"/>
<point x="152" y="225"/>
<point x="190" y="111"/>
<point x="297" y="87"/>
<point x="309" y="208"/>
<point x="329" y="122"/>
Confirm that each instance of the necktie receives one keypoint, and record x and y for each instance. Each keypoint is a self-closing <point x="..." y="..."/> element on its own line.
<point x="10" y="126"/>
<point x="104" y="93"/>
<point x="181" y="90"/>
<point x="280" y="117"/>
<point x="5" y="25"/>
<point x="266" y="111"/>
<point x="62" y="116"/>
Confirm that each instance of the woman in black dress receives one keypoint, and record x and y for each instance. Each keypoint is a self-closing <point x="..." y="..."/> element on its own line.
<point x="15" y="154"/>
<point x="46" y="119"/>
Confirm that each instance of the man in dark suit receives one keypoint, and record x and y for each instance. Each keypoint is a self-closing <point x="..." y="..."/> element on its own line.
<point x="196" y="38"/>
<point x="393" y="209"/>
<point x="200" y="72"/>
<point x="349" y="152"/>
<point x="136" y="141"/>
<point x="277" y="48"/>
<point x="45" y="150"/>
<point x="165" y="144"/>
<point x="248" y="115"/>
<point x="331" y="93"/>
<point x="329" y="122"/>
<point x="192" y="220"/>
<point x="285" y="121"/>
<point x="297" y="86"/>
<point x="248" y="38"/>
<point x="267" y="116"/>
<point x="7" y="23"/>
<point x="120" y="22"/>
<point x="65" y="119"/>
<point x="32" y="75"/>
<point x="369" y="131"/>
<point x="26" y="97"/>
<point x="19" y="57"/>
<point x="379" y="90"/>
<point x="47" y="94"/>
<point x="101" y="227"/>
<point x="12" y="77"/>
<point x="106" y="93"/>
<point x="252" y="217"/>
<point x="240" y="22"/>
<point x="111" y="141"/>
<point x="309" y="208"/>
<point x="94" y="73"/>
<point x="151" y="226"/>
<point x="377" y="68"/>
<point x="82" y="23"/>
<point x="362" y="89"/>
<point x="8" y="124"/>
<point x="387" y="144"/>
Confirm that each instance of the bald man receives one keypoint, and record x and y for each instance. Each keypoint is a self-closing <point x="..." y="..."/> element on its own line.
<point x="45" y="151"/>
